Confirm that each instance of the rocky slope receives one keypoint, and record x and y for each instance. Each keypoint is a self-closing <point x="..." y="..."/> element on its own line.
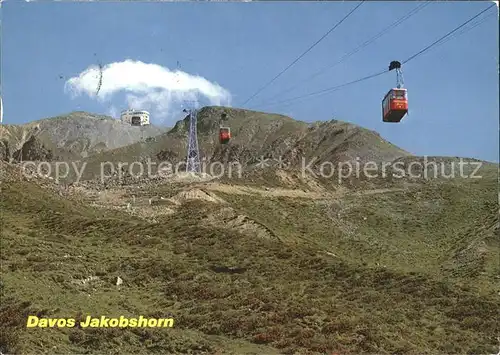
<point x="257" y="136"/>
<point x="70" y="137"/>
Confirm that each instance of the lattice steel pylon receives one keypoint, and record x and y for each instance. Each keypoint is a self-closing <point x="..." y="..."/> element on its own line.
<point x="193" y="154"/>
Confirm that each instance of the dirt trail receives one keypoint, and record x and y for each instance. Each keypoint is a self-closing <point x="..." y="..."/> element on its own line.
<point x="275" y="192"/>
<point x="378" y="191"/>
<point x="281" y="192"/>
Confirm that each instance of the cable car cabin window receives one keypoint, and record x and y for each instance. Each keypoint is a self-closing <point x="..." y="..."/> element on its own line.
<point x="386" y="104"/>
<point x="399" y="94"/>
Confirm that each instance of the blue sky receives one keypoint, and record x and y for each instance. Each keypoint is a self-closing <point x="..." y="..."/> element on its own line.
<point x="453" y="89"/>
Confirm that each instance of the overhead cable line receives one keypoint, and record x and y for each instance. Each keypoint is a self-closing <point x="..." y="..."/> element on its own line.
<point x="478" y="22"/>
<point x="437" y="42"/>
<point x="303" y="54"/>
<point x="354" y="51"/>
<point x="447" y="35"/>
<point x="464" y="30"/>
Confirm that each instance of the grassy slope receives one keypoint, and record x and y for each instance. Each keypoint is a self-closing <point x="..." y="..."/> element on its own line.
<point x="48" y="244"/>
<point x="420" y="229"/>
<point x="291" y="296"/>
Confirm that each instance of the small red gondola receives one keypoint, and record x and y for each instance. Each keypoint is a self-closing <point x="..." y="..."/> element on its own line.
<point x="395" y="105"/>
<point x="224" y="135"/>
<point x="395" y="102"/>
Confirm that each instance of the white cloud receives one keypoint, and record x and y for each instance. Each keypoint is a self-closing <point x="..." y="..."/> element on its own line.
<point x="147" y="86"/>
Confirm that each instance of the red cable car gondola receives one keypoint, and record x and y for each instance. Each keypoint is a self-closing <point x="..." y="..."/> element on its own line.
<point x="395" y="102"/>
<point x="224" y="132"/>
<point x="394" y="105"/>
<point x="224" y="135"/>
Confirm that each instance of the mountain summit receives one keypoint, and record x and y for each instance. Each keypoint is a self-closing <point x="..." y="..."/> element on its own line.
<point x="72" y="136"/>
